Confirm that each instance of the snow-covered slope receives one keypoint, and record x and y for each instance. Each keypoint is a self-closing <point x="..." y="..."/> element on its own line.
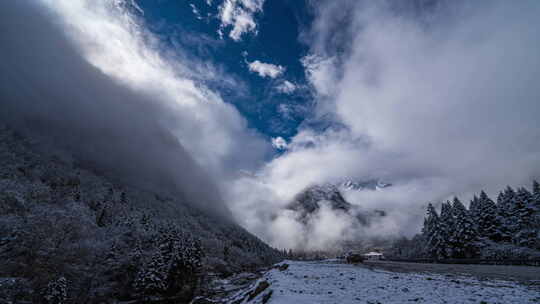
<point x="331" y="282"/>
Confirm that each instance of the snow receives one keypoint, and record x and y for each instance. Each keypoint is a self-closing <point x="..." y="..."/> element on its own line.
<point x="373" y="254"/>
<point x="332" y="282"/>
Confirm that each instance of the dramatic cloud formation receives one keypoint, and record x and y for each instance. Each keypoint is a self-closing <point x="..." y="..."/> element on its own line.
<point x="440" y="100"/>
<point x="240" y="15"/>
<point x="87" y="74"/>
<point x="266" y="69"/>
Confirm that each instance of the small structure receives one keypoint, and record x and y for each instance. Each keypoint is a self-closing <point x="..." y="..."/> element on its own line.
<point x="373" y="256"/>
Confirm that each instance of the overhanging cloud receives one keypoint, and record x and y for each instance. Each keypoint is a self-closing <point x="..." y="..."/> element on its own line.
<point x="440" y="101"/>
<point x="87" y="74"/>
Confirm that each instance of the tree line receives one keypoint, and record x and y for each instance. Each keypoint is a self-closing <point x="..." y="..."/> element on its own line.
<point x="506" y="229"/>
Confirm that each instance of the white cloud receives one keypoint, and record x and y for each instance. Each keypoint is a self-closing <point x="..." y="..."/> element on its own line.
<point x="279" y="143"/>
<point x="286" y="87"/>
<point x="240" y="15"/>
<point x="114" y="41"/>
<point x="266" y="69"/>
<point x="439" y="109"/>
<point x="321" y="73"/>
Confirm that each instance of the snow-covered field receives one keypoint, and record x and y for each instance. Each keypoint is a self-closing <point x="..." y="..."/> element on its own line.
<point x="331" y="282"/>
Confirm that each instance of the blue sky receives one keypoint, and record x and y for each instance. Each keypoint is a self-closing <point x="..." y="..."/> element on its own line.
<point x="193" y="26"/>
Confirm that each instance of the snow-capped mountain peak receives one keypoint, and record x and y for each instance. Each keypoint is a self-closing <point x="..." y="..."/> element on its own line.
<point x="372" y="184"/>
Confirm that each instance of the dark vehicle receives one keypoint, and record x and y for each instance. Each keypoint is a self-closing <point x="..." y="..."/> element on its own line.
<point x="354" y="258"/>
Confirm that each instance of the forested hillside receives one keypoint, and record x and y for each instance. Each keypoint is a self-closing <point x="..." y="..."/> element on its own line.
<point x="70" y="235"/>
<point x="506" y="229"/>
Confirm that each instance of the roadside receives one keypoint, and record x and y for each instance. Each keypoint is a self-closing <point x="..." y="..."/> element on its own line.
<point x="528" y="275"/>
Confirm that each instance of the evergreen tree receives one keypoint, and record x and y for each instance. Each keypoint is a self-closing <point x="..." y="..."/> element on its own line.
<point x="536" y="188"/>
<point x="56" y="291"/>
<point x="182" y="257"/>
<point x="432" y="232"/>
<point x="505" y="207"/>
<point x="474" y="210"/>
<point x="488" y="221"/>
<point x="524" y="213"/>
<point x="464" y="235"/>
<point x="473" y="206"/>
<point x="151" y="279"/>
<point x="447" y="226"/>
<point x="536" y="198"/>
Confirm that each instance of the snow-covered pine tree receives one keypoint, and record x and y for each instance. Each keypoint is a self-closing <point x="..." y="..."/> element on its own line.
<point x="488" y="221"/>
<point x="536" y="197"/>
<point x="447" y="226"/>
<point x="474" y="210"/>
<point x="524" y="212"/>
<point x="431" y="232"/>
<point x="464" y="236"/>
<point x="505" y="206"/>
<point x="151" y="279"/>
<point x="56" y="291"/>
<point x="183" y="259"/>
<point x="536" y="193"/>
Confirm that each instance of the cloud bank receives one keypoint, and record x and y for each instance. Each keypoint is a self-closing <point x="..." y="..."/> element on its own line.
<point x="88" y="75"/>
<point x="439" y="100"/>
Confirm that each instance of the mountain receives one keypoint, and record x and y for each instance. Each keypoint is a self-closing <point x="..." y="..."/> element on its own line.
<point x="310" y="200"/>
<point x="66" y="229"/>
<point x="372" y="184"/>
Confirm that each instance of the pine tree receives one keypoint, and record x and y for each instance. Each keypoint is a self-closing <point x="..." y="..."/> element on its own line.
<point x="447" y="226"/>
<point x="464" y="235"/>
<point x="536" y="224"/>
<point x="56" y="291"/>
<point x="505" y="207"/>
<point x="524" y="212"/>
<point x="536" y="197"/>
<point x="432" y="232"/>
<point x="151" y="280"/>
<point x="474" y="210"/>
<point x="183" y="259"/>
<point x="487" y="220"/>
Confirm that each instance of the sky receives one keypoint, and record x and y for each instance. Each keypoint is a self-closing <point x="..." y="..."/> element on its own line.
<point x="242" y="39"/>
<point x="242" y="104"/>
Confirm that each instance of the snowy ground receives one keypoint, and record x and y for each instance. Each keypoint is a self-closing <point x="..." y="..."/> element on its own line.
<point x="332" y="282"/>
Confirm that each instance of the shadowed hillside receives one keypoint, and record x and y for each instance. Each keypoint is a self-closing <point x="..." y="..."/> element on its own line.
<point x="65" y="228"/>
